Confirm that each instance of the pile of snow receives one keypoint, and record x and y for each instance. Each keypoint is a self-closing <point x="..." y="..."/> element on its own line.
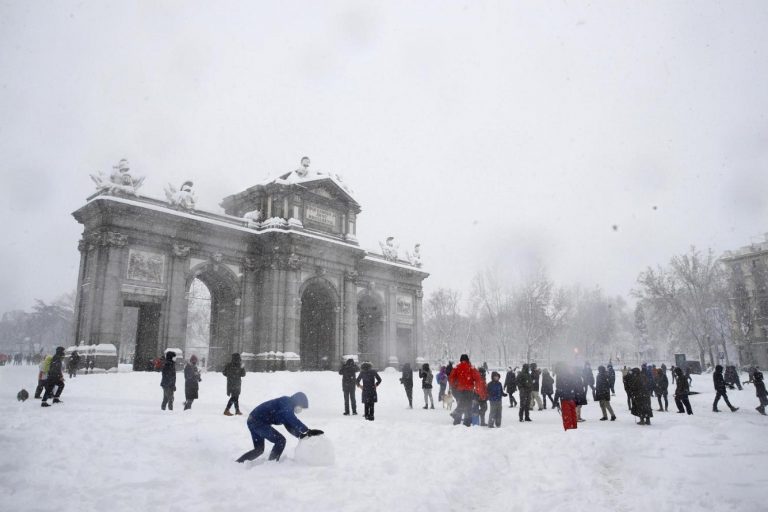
<point x="315" y="451"/>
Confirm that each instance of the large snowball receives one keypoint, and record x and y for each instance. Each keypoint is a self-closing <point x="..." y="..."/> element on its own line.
<point x="315" y="451"/>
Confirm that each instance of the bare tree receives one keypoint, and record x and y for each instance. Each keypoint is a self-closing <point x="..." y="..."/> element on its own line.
<point x="443" y="324"/>
<point x="688" y="290"/>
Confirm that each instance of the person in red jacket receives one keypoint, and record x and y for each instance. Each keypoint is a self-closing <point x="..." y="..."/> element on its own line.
<point x="463" y="380"/>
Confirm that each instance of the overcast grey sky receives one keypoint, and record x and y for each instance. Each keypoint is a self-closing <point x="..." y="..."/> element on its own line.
<point x="494" y="133"/>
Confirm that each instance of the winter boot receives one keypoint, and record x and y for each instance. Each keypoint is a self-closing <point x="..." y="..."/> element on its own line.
<point x="761" y="410"/>
<point x="715" y="410"/>
<point x="733" y="409"/>
<point x="238" y="413"/>
<point x="604" y="418"/>
<point x="433" y="406"/>
<point x="647" y="421"/>
<point x="425" y="407"/>
<point x="227" y="413"/>
<point x="613" y="418"/>
<point x="44" y="404"/>
<point x="57" y="401"/>
<point x="346" y="413"/>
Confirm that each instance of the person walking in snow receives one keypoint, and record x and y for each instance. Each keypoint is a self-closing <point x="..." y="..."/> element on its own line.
<point x="407" y="381"/>
<point x="54" y="377"/>
<point x="611" y="379"/>
<point x="192" y="379"/>
<point x="732" y="377"/>
<point x="581" y="391"/>
<point x="168" y="381"/>
<point x="42" y="375"/>
<point x="661" y="387"/>
<point x="278" y="411"/>
<point x="425" y="374"/>
<point x="442" y="381"/>
<point x="495" y="393"/>
<point x="720" y="390"/>
<point x="510" y="385"/>
<point x="756" y="378"/>
<point x="603" y="393"/>
<point x="524" y="385"/>
<point x="368" y="380"/>
<point x="234" y="372"/>
<point x="535" y="379"/>
<point x="681" y="392"/>
<point x="462" y="381"/>
<point x="547" y="388"/>
<point x="348" y="374"/>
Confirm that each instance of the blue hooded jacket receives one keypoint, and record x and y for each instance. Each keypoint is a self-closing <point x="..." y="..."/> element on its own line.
<point x="279" y="411"/>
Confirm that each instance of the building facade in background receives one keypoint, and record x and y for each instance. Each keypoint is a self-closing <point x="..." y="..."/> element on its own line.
<point x="748" y="288"/>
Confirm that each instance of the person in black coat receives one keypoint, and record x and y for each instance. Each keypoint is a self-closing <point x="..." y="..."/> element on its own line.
<point x="168" y="381"/>
<point x="525" y="385"/>
<point x="55" y="377"/>
<point x="510" y="385"/>
<point x="611" y="379"/>
<point x="191" y="382"/>
<point x="732" y="377"/>
<point x="74" y="363"/>
<point x="720" y="391"/>
<point x="407" y="381"/>
<point x="641" y="396"/>
<point x="661" y="387"/>
<point x="681" y="392"/>
<point x="581" y="390"/>
<point x="603" y="393"/>
<point x="756" y="378"/>
<point x="368" y="381"/>
<point x="547" y="388"/>
<point x="348" y="374"/>
<point x="425" y="374"/>
<point x="234" y="372"/>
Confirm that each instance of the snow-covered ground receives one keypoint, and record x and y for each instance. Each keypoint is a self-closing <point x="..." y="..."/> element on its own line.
<point x="110" y="447"/>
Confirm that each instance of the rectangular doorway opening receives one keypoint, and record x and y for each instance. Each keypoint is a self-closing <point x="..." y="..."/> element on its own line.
<point x="139" y="331"/>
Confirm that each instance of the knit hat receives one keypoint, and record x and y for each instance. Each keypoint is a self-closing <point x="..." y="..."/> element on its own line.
<point x="464" y="357"/>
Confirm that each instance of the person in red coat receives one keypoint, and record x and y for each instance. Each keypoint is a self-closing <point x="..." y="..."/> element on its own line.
<point x="464" y="380"/>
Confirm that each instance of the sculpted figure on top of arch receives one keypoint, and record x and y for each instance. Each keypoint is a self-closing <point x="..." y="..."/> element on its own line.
<point x="389" y="249"/>
<point x="120" y="182"/>
<point x="182" y="199"/>
<point x="414" y="258"/>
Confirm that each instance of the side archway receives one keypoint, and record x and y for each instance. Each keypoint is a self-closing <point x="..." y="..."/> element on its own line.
<point x="319" y="305"/>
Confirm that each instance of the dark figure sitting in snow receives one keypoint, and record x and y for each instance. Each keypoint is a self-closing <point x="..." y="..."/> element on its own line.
<point x="278" y="411"/>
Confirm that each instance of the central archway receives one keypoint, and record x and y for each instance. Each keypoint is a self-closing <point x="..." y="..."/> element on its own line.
<point x="224" y="291"/>
<point x="318" y="323"/>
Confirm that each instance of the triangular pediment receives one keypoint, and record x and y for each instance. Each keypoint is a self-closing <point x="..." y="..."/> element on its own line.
<point x="329" y="189"/>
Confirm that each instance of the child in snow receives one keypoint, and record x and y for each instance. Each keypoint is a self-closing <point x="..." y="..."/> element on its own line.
<point x="168" y="381"/>
<point x="234" y="372"/>
<point x="191" y="380"/>
<point x="495" y="392"/>
<point x="370" y="381"/>
<point x="278" y="411"/>
<point x="425" y="374"/>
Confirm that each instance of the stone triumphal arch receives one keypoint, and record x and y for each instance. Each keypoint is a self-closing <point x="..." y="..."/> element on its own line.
<point x="290" y="287"/>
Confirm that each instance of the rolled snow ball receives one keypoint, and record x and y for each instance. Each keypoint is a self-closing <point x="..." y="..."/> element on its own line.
<point x="315" y="451"/>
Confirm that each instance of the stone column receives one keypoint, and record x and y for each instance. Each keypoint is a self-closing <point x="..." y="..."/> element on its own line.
<point x="248" y="307"/>
<point x="175" y="322"/>
<point x="351" y="347"/>
<point x="292" y="312"/>
<point x="110" y="303"/>
<point x="80" y="299"/>
<point x="392" y="327"/>
<point x="418" y="327"/>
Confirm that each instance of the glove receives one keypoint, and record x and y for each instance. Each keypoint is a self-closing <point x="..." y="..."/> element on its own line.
<point x="313" y="432"/>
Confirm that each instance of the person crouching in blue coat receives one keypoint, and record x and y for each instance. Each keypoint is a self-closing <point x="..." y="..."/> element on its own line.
<point x="278" y="411"/>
